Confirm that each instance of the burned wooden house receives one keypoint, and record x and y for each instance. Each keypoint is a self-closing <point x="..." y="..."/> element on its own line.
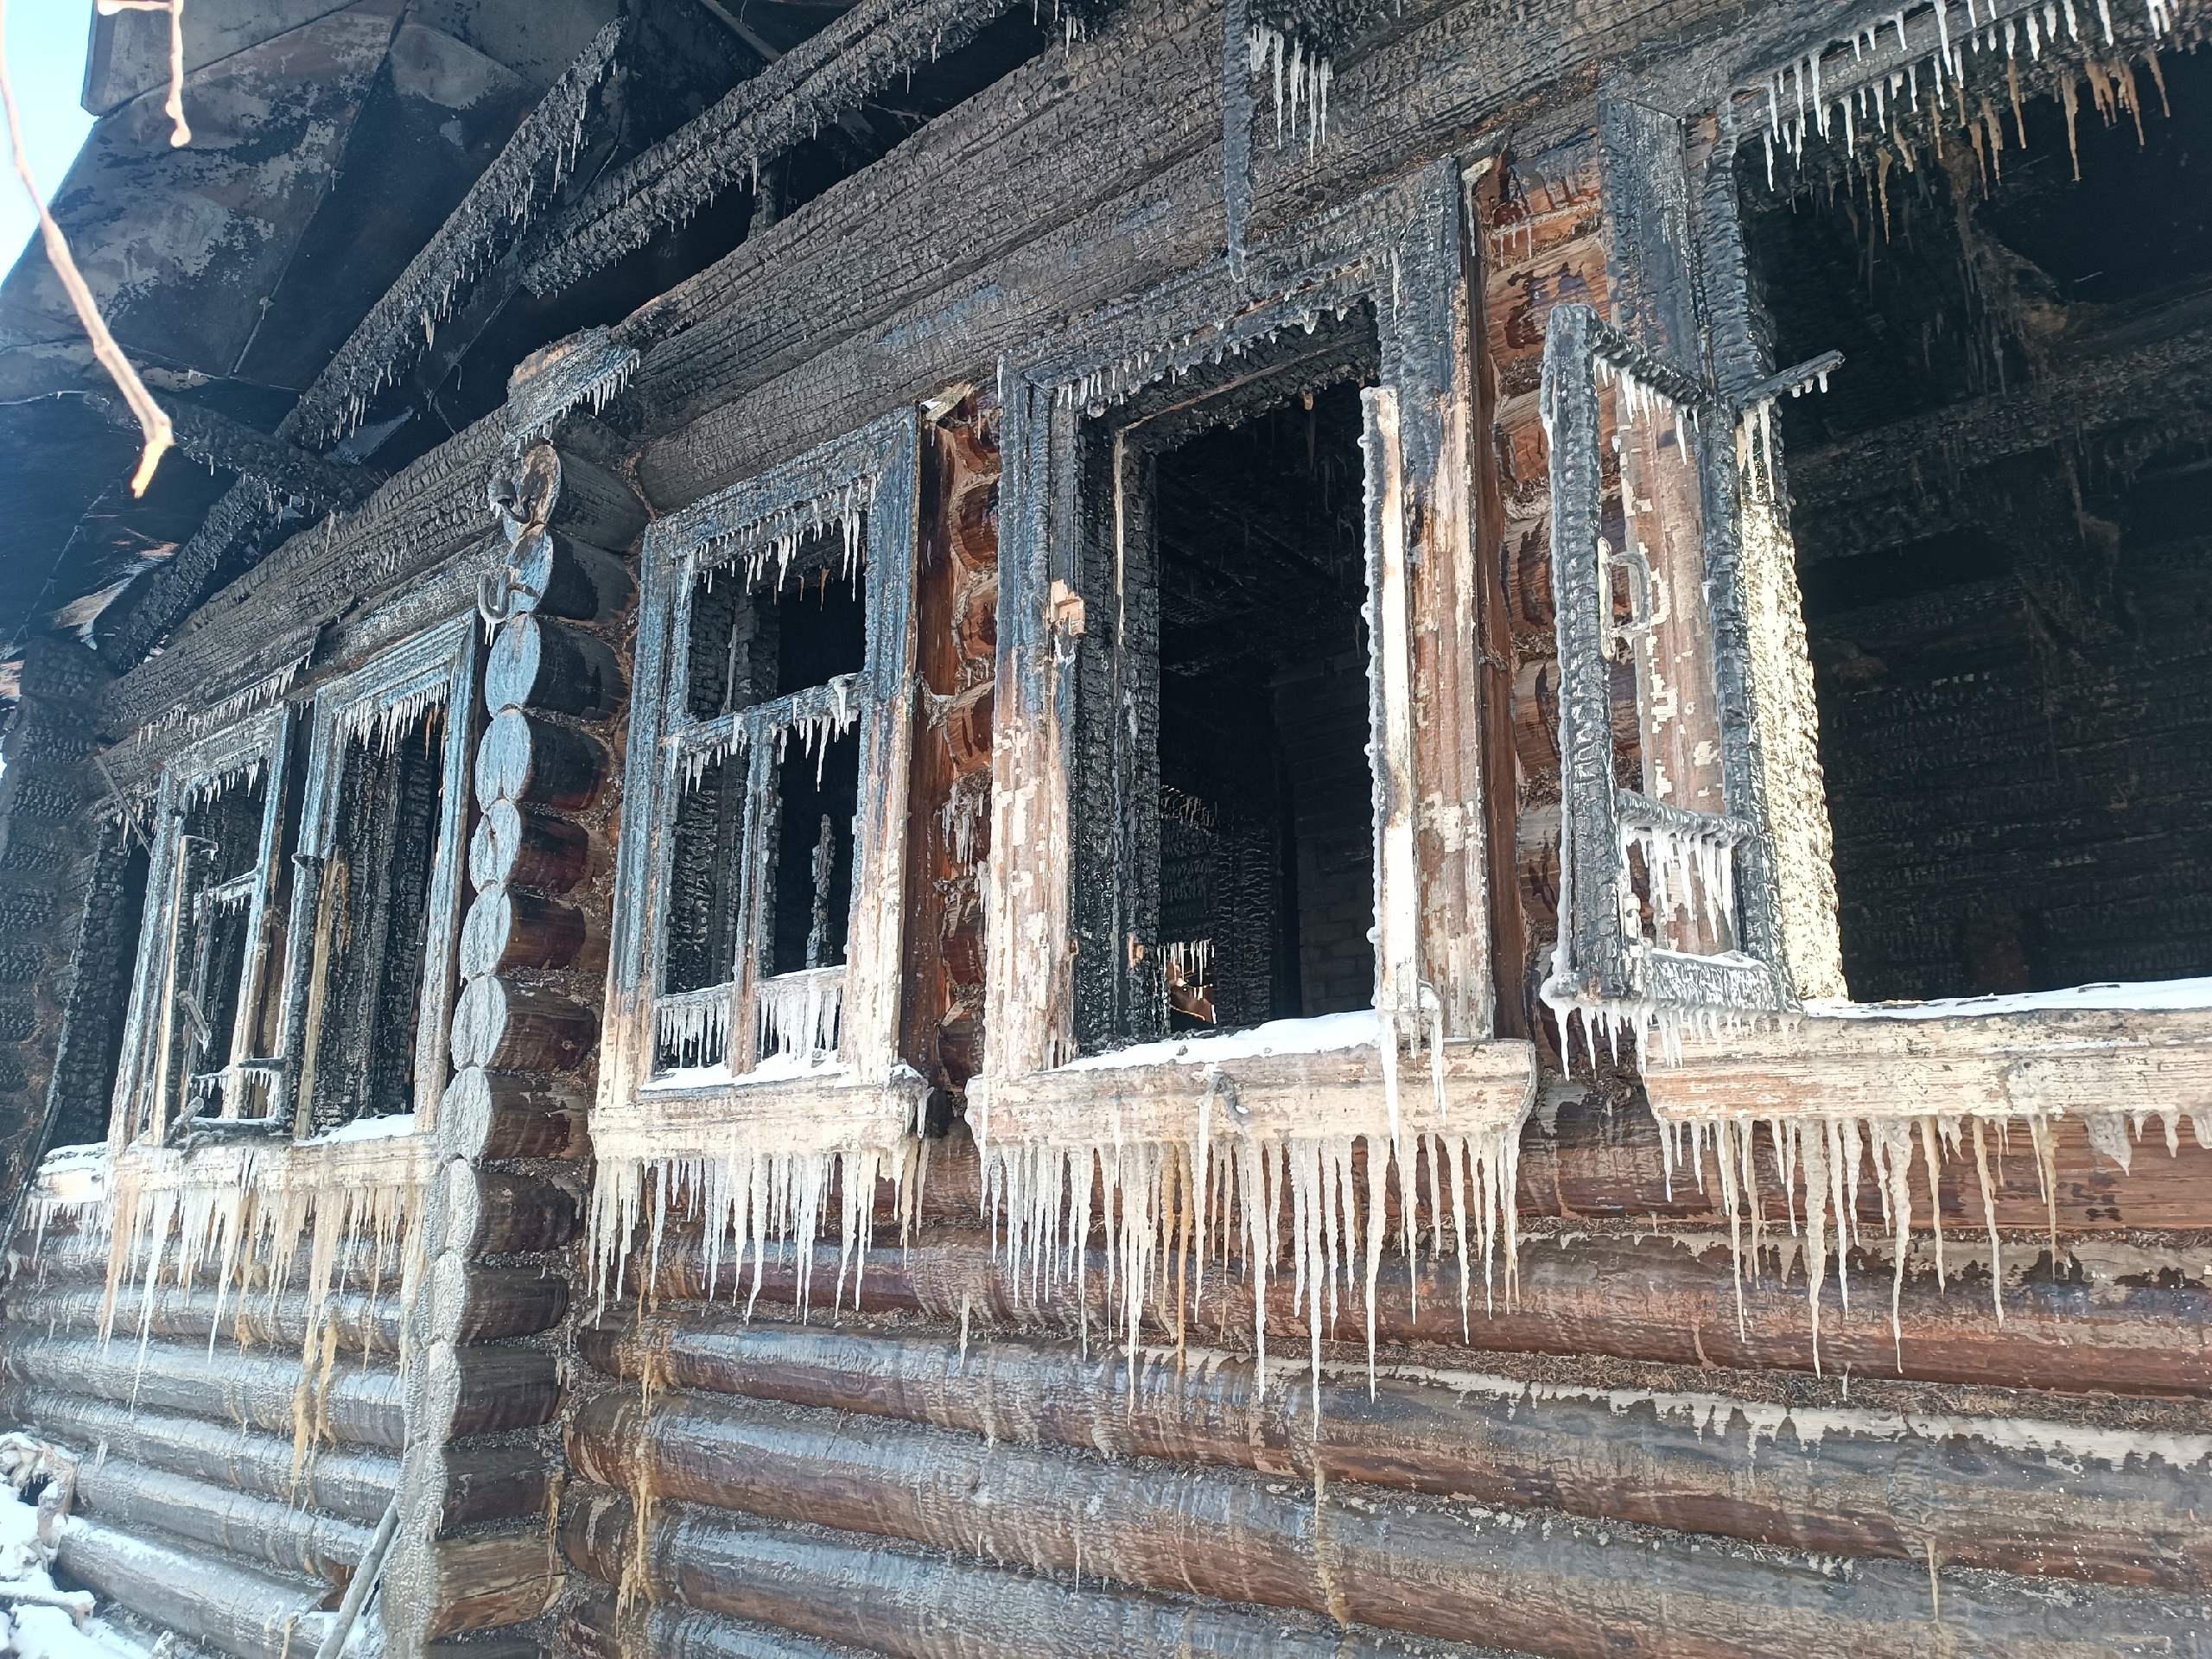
<point x="1119" y="826"/>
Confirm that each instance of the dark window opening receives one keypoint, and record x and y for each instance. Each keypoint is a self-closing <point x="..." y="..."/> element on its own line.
<point x="218" y="849"/>
<point x="1267" y="860"/>
<point x="761" y="870"/>
<point x="373" y="953"/>
<point x="2015" y="704"/>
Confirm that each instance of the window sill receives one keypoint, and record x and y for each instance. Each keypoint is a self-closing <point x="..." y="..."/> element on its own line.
<point x="825" y="1108"/>
<point x="1311" y="1094"/>
<point x="1919" y="1059"/>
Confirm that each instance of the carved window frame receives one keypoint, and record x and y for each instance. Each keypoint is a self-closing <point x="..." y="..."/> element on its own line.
<point x="436" y="667"/>
<point x="1403" y="250"/>
<point x="872" y="475"/>
<point x="142" y="1109"/>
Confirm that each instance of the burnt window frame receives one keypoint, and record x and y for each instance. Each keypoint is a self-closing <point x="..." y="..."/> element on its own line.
<point x="433" y="668"/>
<point x="141" y="1109"/>
<point x="872" y="475"/>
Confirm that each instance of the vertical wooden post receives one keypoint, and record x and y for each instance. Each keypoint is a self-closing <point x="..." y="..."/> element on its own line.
<point x="1390" y="703"/>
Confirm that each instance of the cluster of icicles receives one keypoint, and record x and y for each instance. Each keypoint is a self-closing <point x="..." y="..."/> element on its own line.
<point x="1301" y="80"/>
<point x="270" y="689"/>
<point x="247" y="1230"/>
<point x="754" y="1197"/>
<point x="1798" y="106"/>
<point x="827" y="717"/>
<point x="1683" y="868"/>
<point x="796" y="1016"/>
<point x="1819" y="1160"/>
<point x="1173" y="1210"/>
<point x="379" y="723"/>
<point x="1095" y="390"/>
<point x="777" y="538"/>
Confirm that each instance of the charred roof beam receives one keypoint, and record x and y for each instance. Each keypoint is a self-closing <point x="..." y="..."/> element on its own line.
<point x="233" y="447"/>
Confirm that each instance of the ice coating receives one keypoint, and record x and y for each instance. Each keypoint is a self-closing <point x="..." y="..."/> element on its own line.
<point x="1300" y="74"/>
<point x="798" y="1014"/>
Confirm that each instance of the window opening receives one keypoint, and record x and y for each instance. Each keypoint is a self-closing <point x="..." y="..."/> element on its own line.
<point x="2003" y="622"/>
<point x="759" y="884"/>
<point x="373" y="948"/>
<point x="1266" y="862"/>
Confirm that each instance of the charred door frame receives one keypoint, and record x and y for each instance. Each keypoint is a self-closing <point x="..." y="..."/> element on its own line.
<point x="438" y="666"/>
<point x="873" y="472"/>
<point x="258" y="742"/>
<point x="1404" y="251"/>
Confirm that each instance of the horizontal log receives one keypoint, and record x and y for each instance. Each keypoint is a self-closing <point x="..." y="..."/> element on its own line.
<point x="249" y="1614"/>
<point x="592" y="1629"/>
<point x="1666" y="1296"/>
<point x="594" y="505"/>
<point x="518" y="848"/>
<point x="583" y="582"/>
<point x="498" y="1388"/>
<point x="927" y="1606"/>
<point x="2035" y="1497"/>
<point x="132" y="1499"/>
<point x="506" y="930"/>
<point x="496" y="1481"/>
<point x="492" y="1212"/>
<point x="496" y="1115"/>
<point x="1540" y="1582"/>
<point x="503" y="1027"/>
<point x="529" y="760"/>
<point x="354" y="1485"/>
<point x="538" y="663"/>
<point x="491" y="1579"/>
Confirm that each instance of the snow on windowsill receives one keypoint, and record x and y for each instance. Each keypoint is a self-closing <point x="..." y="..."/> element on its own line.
<point x="777" y="1068"/>
<point x="1323" y="1034"/>
<point x="2149" y="996"/>
<point x="388" y="1128"/>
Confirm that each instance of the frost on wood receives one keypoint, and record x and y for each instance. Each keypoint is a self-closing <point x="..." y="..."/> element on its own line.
<point x="1821" y="1159"/>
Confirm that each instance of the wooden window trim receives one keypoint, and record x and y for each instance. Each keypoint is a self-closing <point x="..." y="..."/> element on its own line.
<point x="140" y="1100"/>
<point x="435" y="667"/>
<point x="873" y="473"/>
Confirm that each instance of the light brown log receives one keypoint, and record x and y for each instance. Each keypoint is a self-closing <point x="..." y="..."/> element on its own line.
<point x="1537" y="1582"/>
<point x="254" y="1615"/>
<point x="492" y="1578"/>
<point x="924" y="1606"/>
<point x="503" y="1027"/>
<point x="526" y="758"/>
<point x="506" y="930"/>
<point x="490" y="1212"/>
<point x="133" y="1497"/>
<point x="522" y="849"/>
<point x="538" y="663"/>
<point x="1655" y="1298"/>
<point x="1835" y="1480"/>
<point x="501" y="1115"/>
<point x="353" y="1485"/>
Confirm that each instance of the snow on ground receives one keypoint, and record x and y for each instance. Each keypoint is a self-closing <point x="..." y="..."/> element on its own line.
<point x="31" y="1632"/>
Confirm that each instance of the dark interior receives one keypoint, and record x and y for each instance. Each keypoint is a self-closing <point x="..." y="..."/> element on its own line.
<point x="801" y="624"/>
<point x="221" y="843"/>
<point x="389" y="801"/>
<point x="1267" y="839"/>
<point x="2001" y="512"/>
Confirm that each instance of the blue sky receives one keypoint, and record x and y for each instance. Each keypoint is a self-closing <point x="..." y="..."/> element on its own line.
<point x="46" y="65"/>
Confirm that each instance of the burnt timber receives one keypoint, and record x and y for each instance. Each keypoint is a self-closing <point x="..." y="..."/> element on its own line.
<point x="1123" y="827"/>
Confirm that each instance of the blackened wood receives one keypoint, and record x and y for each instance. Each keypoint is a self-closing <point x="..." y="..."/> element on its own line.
<point x="1835" y="1480"/>
<point x="543" y="664"/>
<point x="353" y="1320"/>
<point x="200" y="1595"/>
<point x="1539" y="1582"/>
<point x="533" y="762"/>
<point x="134" y="1497"/>
<point x="595" y="507"/>
<point x="524" y="849"/>
<point x="932" y="1606"/>
<point x="470" y="1303"/>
